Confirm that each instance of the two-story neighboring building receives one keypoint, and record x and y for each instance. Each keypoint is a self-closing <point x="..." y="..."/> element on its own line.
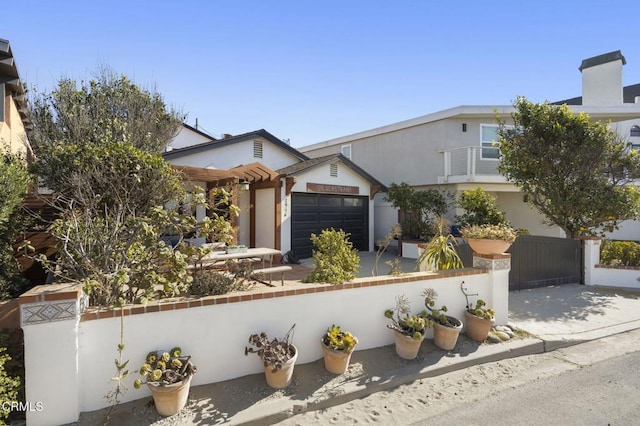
<point x="283" y="195"/>
<point x="14" y="114"/>
<point x="454" y="149"/>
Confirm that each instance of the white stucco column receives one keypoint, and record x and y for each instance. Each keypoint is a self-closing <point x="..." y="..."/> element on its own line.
<point x="591" y="259"/>
<point x="49" y="317"/>
<point x="499" y="266"/>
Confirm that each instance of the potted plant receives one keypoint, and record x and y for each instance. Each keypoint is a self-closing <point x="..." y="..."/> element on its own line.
<point x="445" y="328"/>
<point x="440" y="253"/>
<point x="338" y="346"/>
<point x="278" y="357"/>
<point x="168" y="375"/>
<point x="489" y="239"/>
<point x="408" y="329"/>
<point x="478" y="318"/>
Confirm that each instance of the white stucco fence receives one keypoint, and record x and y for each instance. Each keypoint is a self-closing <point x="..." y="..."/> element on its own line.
<point x="78" y="355"/>
<point x="607" y="276"/>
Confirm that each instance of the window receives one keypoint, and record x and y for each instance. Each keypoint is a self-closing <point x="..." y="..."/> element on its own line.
<point x="346" y="151"/>
<point x="257" y="149"/>
<point x="488" y="141"/>
<point x="635" y="131"/>
<point x="333" y="170"/>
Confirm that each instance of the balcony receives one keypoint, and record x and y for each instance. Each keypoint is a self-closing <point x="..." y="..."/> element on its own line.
<point x="471" y="164"/>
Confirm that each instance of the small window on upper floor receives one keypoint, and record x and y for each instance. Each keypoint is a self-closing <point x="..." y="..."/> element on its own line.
<point x="257" y="149"/>
<point x="333" y="170"/>
<point x="635" y="131"/>
<point x="346" y="151"/>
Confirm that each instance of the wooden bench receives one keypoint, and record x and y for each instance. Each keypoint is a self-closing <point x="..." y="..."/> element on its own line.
<point x="272" y="270"/>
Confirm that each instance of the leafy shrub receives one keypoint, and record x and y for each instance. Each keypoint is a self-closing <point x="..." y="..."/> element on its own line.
<point x="207" y="283"/>
<point x="620" y="253"/>
<point x="480" y="209"/>
<point x="236" y="278"/>
<point x="9" y="386"/>
<point x="334" y="258"/>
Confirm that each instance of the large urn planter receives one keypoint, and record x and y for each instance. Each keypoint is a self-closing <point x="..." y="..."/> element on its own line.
<point x="477" y="328"/>
<point x="336" y="361"/>
<point x="446" y="337"/>
<point x="406" y="346"/>
<point x="281" y="378"/>
<point x="485" y="246"/>
<point x="170" y="399"/>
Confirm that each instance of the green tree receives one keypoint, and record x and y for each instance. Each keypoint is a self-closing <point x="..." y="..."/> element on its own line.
<point x="420" y="207"/>
<point x="576" y="172"/>
<point x="98" y="147"/>
<point x="14" y="183"/>
<point x="479" y="209"/>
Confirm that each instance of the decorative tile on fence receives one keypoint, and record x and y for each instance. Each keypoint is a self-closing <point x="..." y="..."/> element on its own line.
<point x="37" y="313"/>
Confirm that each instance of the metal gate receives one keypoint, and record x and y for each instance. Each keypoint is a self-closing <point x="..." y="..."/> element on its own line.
<point x="540" y="261"/>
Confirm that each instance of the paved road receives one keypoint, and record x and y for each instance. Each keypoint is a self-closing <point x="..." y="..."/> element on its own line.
<point x="593" y="383"/>
<point x="605" y="393"/>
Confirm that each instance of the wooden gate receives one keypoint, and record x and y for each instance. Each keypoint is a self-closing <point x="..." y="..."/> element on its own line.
<point x="540" y="261"/>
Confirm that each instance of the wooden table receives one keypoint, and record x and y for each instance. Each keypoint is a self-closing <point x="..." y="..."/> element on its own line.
<point x="221" y="256"/>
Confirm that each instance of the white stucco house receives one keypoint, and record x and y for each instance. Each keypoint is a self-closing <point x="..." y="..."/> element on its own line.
<point x="453" y="149"/>
<point x="283" y="195"/>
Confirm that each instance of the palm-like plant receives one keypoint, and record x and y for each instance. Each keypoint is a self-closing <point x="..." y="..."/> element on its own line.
<point x="440" y="253"/>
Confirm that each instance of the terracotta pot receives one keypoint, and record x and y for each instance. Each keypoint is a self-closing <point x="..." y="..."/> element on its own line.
<point x="282" y="377"/>
<point x="482" y="246"/>
<point x="477" y="328"/>
<point x="406" y="346"/>
<point x="170" y="399"/>
<point x="446" y="337"/>
<point x="336" y="361"/>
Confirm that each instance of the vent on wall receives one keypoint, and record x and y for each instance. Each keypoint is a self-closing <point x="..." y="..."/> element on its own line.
<point x="257" y="149"/>
<point x="333" y="170"/>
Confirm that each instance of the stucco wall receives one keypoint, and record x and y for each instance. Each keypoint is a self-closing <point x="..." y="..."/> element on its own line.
<point x="78" y="355"/>
<point x="265" y="218"/>
<point x="15" y="135"/>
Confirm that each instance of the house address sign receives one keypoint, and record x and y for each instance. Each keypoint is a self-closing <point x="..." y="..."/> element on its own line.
<point x="332" y="189"/>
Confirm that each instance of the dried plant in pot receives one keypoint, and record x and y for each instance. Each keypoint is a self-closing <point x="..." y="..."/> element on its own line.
<point x="408" y="329"/>
<point x="278" y="357"/>
<point x="478" y="319"/>
<point x="168" y="375"/>
<point x="446" y="329"/>
<point x="337" y="346"/>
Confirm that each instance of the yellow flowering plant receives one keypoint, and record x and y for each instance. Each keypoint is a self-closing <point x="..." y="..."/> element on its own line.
<point x="339" y="340"/>
<point x="165" y="368"/>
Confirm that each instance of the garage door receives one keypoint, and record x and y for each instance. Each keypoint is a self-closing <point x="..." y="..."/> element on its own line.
<point x="311" y="213"/>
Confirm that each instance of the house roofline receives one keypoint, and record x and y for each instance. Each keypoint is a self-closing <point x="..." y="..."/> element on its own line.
<point x="315" y="162"/>
<point x="610" y="112"/>
<point x="200" y="132"/>
<point x="219" y="143"/>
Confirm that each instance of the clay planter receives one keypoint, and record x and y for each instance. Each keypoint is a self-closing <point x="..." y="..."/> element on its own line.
<point x="477" y="328"/>
<point x="407" y="347"/>
<point x="336" y="361"/>
<point x="482" y="246"/>
<point x="446" y="337"/>
<point x="282" y="377"/>
<point x="170" y="399"/>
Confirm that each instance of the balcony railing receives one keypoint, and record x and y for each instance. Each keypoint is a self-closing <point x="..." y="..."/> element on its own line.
<point x="471" y="164"/>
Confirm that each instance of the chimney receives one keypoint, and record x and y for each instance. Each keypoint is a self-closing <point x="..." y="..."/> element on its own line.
<point x="602" y="79"/>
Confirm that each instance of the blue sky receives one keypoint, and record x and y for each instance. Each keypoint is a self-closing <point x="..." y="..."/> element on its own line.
<point x="312" y="71"/>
